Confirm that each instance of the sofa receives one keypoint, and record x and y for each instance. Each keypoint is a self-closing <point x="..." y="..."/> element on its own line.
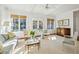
<point x="8" y="45"/>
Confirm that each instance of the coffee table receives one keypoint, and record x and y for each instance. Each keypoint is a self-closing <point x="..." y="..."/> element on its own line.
<point x="31" y="42"/>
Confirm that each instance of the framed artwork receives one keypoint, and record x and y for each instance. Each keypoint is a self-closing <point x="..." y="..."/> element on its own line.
<point x="66" y="22"/>
<point x="60" y="22"/>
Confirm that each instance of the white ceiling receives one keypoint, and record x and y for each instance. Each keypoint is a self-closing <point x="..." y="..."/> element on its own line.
<point x="40" y="8"/>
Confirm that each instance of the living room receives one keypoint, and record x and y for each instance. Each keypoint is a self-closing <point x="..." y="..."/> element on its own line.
<point x="48" y="25"/>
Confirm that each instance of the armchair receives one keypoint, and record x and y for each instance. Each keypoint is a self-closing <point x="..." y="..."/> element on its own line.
<point x="71" y="41"/>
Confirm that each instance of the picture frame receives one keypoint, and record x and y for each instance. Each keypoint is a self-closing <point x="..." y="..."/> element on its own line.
<point x="60" y="22"/>
<point x="66" y="22"/>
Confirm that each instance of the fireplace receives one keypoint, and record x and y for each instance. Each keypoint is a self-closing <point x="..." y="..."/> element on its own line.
<point x="63" y="31"/>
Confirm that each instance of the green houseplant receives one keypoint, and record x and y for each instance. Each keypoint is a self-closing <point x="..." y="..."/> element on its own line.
<point x="32" y="33"/>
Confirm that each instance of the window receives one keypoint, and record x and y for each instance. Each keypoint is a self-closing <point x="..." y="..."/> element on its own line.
<point x="15" y="24"/>
<point x="37" y="24"/>
<point x="40" y="25"/>
<point x="50" y="23"/>
<point x="34" y="24"/>
<point x="22" y="24"/>
<point x="19" y="22"/>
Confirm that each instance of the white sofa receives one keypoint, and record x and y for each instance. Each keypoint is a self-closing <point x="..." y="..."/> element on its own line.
<point x="8" y="45"/>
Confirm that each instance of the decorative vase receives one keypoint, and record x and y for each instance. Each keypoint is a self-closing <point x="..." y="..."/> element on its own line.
<point x="33" y="38"/>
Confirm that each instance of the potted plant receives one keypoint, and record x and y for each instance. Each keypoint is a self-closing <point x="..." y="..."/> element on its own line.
<point x="32" y="33"/>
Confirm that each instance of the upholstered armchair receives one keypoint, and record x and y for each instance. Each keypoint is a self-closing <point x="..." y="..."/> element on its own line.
<point x="71" y="41"/>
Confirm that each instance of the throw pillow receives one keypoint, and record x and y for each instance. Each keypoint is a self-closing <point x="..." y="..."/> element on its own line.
<point x="5" y="36"/>
<point x="10" y="35"/>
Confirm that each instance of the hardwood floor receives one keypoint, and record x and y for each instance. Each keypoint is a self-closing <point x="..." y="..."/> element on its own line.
<point x="50" y="45"/>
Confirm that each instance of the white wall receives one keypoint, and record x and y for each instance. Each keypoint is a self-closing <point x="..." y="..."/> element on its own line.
<point x="76" y="20"/>
<point x="4" y="16"/>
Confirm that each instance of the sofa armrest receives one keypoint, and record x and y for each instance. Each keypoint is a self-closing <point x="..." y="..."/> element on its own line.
<point x="10" y="42"/>
<point x="7" y="49"/>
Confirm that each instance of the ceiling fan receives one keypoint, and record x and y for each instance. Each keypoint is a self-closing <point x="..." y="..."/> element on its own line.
<point x="51" y="6"/>
<point x="46" y="6"/>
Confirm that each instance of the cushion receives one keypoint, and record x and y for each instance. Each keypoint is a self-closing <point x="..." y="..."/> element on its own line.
<point x="5" y="36"/>
<point x="2" y="39"/>
<point x="10" y="35"/>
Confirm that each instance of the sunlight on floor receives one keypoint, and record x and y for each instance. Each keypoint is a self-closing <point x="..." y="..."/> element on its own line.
<point x="52" y="38"/>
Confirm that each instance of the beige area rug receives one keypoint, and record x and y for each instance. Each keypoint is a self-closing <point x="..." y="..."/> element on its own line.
<point x="47" y="46"/>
